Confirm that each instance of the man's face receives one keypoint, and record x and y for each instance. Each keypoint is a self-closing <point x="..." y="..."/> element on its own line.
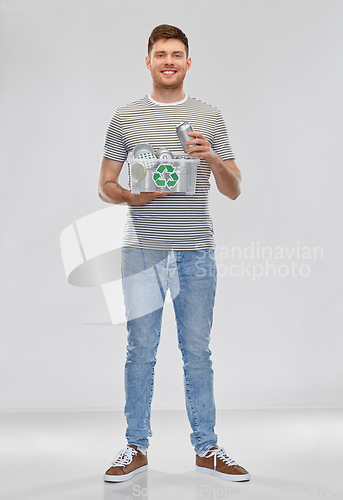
<point x="167" y="63"/>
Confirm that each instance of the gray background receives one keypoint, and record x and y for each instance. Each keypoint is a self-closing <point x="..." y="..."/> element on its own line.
<point x="274" y="68"/>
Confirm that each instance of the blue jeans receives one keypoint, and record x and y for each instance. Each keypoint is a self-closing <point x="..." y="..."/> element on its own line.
<point x="191" y="277"/>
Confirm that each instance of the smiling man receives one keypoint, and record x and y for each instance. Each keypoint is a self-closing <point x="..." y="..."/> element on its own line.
<point x="168" y="63"/>
<point x="169" y="243"/>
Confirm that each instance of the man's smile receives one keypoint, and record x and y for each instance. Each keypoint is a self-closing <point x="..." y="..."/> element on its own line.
<point x="168" y="71"/>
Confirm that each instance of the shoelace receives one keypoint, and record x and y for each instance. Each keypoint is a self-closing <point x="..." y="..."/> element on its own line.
<point x="124" y="457"/>
<point x="220" y="453"/>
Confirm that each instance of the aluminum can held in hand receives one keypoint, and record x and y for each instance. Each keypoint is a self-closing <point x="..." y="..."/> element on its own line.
<point x="164" y="154"/>
<point x="182" y="131"/>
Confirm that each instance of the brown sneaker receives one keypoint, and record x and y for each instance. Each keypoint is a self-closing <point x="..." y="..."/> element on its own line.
<point x="126" y="464"/>
<point x="217" y="462"/>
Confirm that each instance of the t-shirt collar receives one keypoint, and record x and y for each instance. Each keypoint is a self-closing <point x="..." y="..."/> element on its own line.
<point x="167" y="103"/>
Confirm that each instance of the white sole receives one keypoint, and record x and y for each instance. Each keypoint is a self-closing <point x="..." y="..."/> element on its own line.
<point x="125" y="477"/>
<point x="227" y="477"/>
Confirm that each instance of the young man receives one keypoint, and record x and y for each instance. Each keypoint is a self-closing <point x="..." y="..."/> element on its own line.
<point x="169" y="244"/>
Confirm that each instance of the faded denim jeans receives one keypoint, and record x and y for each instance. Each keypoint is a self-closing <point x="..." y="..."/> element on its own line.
<point x="191" y="277"/>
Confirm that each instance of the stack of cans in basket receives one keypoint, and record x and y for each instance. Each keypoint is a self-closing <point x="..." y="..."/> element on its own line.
<point x="163" y="170"/>
<point x="146" y="152"/>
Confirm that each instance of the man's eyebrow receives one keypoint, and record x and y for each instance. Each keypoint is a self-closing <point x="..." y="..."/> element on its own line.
<point x="174" y="52"/>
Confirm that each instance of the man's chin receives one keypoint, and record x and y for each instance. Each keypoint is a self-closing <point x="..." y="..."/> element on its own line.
<point x="170" y="86"/>
<point x="166" y="85"/>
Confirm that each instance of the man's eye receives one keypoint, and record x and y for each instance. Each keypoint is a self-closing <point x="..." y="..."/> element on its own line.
<point x="177" y="55"/>
<point x="159" y="55"/>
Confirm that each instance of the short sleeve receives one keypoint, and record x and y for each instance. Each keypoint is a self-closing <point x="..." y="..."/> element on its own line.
<point x="114" y="147"/>
<point x="221" y="144"/>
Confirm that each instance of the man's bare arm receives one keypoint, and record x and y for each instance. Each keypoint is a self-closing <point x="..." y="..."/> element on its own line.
<point x="110" y="190"/>
<point x="227" y="176"/>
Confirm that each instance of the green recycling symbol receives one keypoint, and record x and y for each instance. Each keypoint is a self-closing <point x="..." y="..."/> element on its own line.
<point x="173" y="177"/>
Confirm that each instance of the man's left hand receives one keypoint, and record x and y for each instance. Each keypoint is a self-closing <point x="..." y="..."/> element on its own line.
<point x="202" y="147"/>
<point x="226" y="173"/>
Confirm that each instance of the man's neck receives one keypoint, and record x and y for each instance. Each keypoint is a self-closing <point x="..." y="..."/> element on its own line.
<point x="167" y="95"/>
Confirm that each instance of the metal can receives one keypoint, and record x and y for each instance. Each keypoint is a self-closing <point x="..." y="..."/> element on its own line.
<point x="164" y="154"/>
<point x="138" y="171"/>
<point x="182" y="131"/>
<point x="143" y="149"/>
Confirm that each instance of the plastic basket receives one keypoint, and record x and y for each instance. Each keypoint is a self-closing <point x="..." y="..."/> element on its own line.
<point x="175" y="175"/>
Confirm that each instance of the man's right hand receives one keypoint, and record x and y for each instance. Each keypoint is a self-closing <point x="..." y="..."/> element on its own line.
<point x="144" y="198"/>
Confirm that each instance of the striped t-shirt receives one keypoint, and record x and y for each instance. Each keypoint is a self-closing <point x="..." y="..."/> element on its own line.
<point x="177" y="221"/>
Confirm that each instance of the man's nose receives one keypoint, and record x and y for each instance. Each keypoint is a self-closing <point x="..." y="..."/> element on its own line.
<point x="169" y="60"/>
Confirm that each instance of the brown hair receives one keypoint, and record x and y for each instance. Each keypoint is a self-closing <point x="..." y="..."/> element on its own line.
<point x="166" y="31"/>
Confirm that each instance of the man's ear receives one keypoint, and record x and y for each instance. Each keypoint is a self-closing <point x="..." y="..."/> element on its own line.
<point x="188" y="63"/>
<point x="148" y="63"/>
